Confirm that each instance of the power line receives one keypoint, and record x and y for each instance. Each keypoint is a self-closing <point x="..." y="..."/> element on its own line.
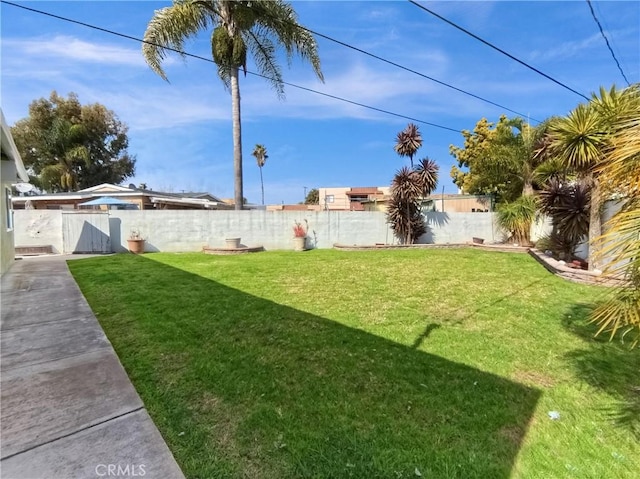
<point x="593" y="14"/>
<point x="129" y="37"/>
<point x="402" y="67"/>
<point x="497" y="48"/>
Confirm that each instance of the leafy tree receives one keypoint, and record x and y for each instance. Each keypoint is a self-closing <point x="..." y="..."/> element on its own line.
<point x="504" y="159"/>
<point x="69" y="146"/>
<point x="408" y="141"/>
<point x="313" y="197"/>
<point x="256" y="27"/>
<point x="260" y="153"/>
<point x="409" y="185"/>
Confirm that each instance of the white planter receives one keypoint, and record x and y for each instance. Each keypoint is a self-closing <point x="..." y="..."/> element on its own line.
<point x="299" y="244"/>
<point x="232" y="243"/>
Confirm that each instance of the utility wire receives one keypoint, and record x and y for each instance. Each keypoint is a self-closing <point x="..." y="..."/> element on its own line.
<point x="129" y="37"/>
<point x="593" y="14"/>
<point x="497" y="48"/>
<point x="402" y="67"/>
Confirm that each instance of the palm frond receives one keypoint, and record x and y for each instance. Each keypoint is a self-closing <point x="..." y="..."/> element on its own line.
<point x="263" y="52"/>
<point x="580" y="138"/>
<point x="281" y="21"/>
<point x="169" y="28"/>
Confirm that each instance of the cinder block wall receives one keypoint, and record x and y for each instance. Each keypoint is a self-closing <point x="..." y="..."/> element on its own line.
<point x="185" y="230"/>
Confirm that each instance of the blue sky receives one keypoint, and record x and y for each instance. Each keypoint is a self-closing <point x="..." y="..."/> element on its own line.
<point x="181" y="131"/>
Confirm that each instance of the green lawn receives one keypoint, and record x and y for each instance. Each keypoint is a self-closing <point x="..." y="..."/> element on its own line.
<point x="378" y="364"/>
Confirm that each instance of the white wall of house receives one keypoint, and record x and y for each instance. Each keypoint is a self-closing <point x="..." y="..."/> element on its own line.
<point x="11" y="171"/>
<point x="190" y="230"/>
<point x="8" y="174"/>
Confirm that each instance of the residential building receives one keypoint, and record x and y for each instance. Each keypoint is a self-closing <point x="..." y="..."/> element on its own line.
<point x="377" y="198"/>
<point x="459" y="203"/>
<point x="130" y="196"/>
<point x="12" y="171"/>
<point x="351" y="198"/>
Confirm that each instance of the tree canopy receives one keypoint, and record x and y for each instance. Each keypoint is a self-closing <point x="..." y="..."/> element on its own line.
<point x="68" y="146"/>
<point x="313" y="197"/>
<point x="501" y="158"/>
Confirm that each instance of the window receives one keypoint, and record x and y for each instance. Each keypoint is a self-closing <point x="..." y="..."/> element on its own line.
<point x="329" y="198"/>
<point x="9" y="212"/>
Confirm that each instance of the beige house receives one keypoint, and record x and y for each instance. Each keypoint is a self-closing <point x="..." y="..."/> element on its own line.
<point x="377" y="198"/>
<point x="459" y="203"/>
<point x="12" y="171"/>
<point x="130" y="197"/>
<point x="352" y="198"/>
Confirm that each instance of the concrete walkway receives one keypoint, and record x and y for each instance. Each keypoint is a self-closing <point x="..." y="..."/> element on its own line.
<point x="68" y="407"/>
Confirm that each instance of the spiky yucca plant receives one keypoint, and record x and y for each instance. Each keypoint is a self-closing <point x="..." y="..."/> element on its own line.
<point x="408" y="142"/>
<point x="568" y="206"/>
<point x="516" y="218"/>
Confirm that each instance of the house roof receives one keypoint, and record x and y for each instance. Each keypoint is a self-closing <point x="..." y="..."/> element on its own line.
<point x="118" y="191"/>
<point x="202" y="202"/>
<point x="11" y="151"/>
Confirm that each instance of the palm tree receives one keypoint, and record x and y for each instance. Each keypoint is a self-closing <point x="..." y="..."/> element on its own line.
<point x="260" y="153"/>
<point x="256" y="26"/>
<point x="581" y="140"/>
<point x="619" y="173"/>
<point x="408" y="141"/>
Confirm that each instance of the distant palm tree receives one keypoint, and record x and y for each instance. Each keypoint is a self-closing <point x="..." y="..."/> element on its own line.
<point x="408" y="141"/>
<point x="257" y="26"/>
<point x="260" y="153"/>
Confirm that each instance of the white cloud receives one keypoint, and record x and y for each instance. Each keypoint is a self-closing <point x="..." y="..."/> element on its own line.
<point x="565" y="50"/>
<point x="74" y="49"/>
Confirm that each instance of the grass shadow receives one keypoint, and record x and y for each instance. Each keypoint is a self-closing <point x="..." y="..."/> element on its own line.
<point x="241" y="386"/>
<point x="606" y="365"/>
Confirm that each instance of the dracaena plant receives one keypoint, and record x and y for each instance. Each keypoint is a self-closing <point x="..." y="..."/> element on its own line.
<point x="408" y="187"/>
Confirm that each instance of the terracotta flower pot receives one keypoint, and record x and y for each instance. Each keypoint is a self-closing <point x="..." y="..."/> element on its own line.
<point x="136" y="246"/>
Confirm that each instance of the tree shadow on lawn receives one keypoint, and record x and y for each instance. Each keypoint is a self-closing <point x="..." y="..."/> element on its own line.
<point x="609" y="366"/>
<point x="241" y="386"/>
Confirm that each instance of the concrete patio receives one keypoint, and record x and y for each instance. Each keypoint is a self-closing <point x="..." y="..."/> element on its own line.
<point x="68" y="407"/>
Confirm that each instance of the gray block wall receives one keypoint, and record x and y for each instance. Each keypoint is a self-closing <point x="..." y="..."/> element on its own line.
<point x="190" y="230"/>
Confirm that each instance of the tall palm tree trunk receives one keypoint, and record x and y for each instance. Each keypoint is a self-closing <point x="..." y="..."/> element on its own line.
<point x="237" y="140"/>
<point x="595" y="223"/>
<point x="262" y="185"/>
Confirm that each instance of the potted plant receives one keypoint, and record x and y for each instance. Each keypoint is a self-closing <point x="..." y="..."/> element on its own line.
<point x="300" y="235"/>
<point x="135" y="242"/>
